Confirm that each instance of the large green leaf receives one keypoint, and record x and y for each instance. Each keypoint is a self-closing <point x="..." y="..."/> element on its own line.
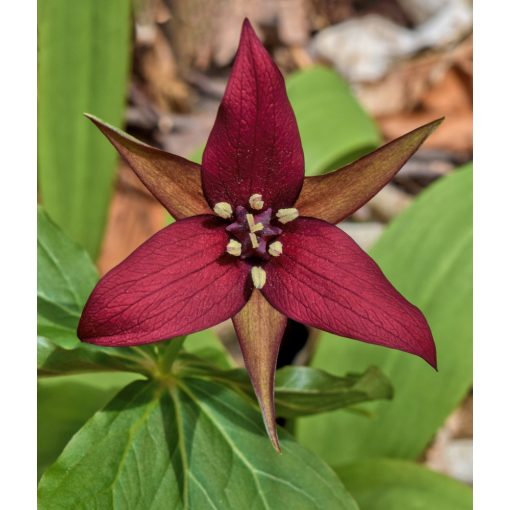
<point x="185" y="444"/>
<point x="334" y="128"/>
<point x="64" y="404"/>
<point x="83" y="67"/>
<point x="389" y="484"/>
<point x="427" y="254"/>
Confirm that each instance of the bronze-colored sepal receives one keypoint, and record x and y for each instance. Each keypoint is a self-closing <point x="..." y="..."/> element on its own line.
<point x="335" y="195"/>
<point x="260" y="329"/>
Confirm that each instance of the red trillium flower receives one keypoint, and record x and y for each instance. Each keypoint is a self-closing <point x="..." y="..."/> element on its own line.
<point x="254" y="239"/>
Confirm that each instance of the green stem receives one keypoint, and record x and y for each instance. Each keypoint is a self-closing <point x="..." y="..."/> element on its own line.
<point x="170" y="353"/>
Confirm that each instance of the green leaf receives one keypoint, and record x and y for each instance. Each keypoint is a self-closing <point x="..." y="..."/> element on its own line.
<point x="189" y="444"/>
<point x="54" y="360"/>
<point x="64" y="404"/>
<point x="427" y="253"/>
<point x="83" y="67"/>
<point x="65" y="278"/>
<point x="334" y="128"/>
<point x="300" y="391"/>
<point x="388" y="484"/>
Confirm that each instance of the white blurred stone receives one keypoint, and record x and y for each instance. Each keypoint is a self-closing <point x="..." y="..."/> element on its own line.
<point x="364" y="49"/>
<point x="458" y="459"/>
<point x="365" y="234"/>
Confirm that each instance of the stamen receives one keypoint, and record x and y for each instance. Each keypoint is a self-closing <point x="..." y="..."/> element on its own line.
<point x="275" y="249"/>
<point x="251" y="221"/>
<point x="223" y="210"/>
<point x="286" y="215"/>
<point x="258" y="275"/>
<point x="254" y="227"/>
<point x="256" y="202"/>
<point x="234" y="248"/>
<point x="254" y="240"/>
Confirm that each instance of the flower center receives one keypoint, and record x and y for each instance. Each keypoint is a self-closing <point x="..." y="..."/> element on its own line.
<point x="253" y="232"/>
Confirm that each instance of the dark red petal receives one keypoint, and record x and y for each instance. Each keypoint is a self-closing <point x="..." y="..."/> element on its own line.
<point x="178" y="282"/>
<point x="173" y="180"/>
<point x="325" y="280"/>
<point x="254" y="146"/>
<point x="334" y="196"/>
<point x="260" y="329"/>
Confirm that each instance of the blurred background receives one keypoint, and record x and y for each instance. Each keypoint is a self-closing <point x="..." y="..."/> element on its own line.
<point x="359" y="73"/>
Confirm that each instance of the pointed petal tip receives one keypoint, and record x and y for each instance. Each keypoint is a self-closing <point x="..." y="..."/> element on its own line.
<point x="96" y="120"/>
<point x="247" y="27"/>
<point x="433" y="124"/>
<point x="276" y="445"/>
<point x="101" y="124"/>
<point x="271" y="428"/>
<point x="249" y="35"/>
<point x="269" y="418"/>
<point x="431" y="359"/>
<point x="428" y="352"/>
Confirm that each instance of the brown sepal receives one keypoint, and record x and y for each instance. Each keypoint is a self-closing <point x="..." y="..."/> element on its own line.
<point x="174" y="181"/>
<point x="260" y="328"/>
<point x="335" y="195"/>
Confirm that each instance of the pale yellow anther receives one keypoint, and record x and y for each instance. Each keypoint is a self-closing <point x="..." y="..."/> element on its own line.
<point x="254" y="240"/>
<point x="251" y="221"/>
<point x="254" y="227"/>
<point x="286" y="215"/>
<point x="223" y="210"/>
<point x="256" y="202"/>
<point x="234" y="248"/>
<point x="275" y="249"/>
<point x="258" y="275"/>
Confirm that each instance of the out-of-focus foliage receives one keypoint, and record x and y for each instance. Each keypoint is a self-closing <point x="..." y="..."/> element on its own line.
<point x="390" y="484"/>
<point x="427" y="253"/>
<point x="83" y="67"/>
<point x="334" y="128"/>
